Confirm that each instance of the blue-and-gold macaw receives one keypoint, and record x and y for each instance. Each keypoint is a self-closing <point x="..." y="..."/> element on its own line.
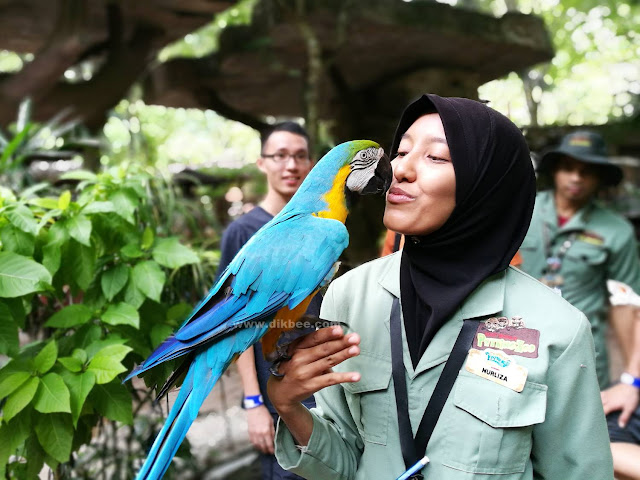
<point x="273" y="277"/>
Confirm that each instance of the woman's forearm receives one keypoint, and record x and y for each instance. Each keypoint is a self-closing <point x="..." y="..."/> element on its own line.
<point x="299" y="422"/>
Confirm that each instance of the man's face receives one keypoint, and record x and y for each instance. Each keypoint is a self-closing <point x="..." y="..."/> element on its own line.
<point x="285" y="177"/>
<point x="574" y="180"/>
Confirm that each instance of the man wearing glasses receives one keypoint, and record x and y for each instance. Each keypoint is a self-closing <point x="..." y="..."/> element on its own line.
<point x="285" y="161"/>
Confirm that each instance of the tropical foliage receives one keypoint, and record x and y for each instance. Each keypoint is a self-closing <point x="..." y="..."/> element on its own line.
<point x="594" y="76"/>
<point x="87" y="289"/>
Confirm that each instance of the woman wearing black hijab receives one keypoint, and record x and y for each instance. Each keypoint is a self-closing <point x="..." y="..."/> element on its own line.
<point x="454" y="354"/>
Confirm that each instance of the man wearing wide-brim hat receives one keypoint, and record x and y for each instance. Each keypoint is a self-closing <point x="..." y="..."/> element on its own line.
<point x="574" y="245"/>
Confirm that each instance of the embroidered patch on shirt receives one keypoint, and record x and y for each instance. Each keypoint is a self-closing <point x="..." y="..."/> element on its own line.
<point x="591" y="238"/>
<point x="509" y="335"/>
<point x="498" y="367"/>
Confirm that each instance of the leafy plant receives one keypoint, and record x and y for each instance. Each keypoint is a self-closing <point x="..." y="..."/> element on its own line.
<point x="85" y="277"/>
<point x="31" y="139"/>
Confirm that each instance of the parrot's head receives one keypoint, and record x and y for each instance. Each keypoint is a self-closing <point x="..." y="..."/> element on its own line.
<point x="369" y="168"/>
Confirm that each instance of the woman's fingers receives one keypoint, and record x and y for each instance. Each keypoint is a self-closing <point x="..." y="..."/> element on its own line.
<point x="313" y="361"/>
<point x="334" y="378"/>
<point x="320" y="336"/>
<point x="325" y="363"/>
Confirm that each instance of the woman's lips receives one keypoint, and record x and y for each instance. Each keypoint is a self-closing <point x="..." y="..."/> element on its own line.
<point x="397" y="196"/>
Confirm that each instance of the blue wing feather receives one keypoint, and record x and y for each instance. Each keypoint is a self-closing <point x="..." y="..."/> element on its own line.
<point x="280" y="266"/>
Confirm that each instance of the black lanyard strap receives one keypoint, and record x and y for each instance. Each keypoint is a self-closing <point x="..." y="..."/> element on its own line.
<point x="414" y="449"/>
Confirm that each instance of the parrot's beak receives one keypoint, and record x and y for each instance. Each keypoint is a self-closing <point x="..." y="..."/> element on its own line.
<point x="381" y="179"/>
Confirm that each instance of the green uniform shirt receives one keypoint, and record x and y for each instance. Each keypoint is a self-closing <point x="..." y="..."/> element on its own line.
<point x="554" y="429"/>
<point x="603" y="246"/>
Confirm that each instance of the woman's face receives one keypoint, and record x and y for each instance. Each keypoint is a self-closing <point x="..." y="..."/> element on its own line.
<point x="423" y="190"/>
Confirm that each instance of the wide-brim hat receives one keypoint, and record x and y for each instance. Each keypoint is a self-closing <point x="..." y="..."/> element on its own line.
<point x="584" y="146"/>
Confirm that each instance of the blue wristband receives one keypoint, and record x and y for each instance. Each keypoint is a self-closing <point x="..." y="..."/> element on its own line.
<point x="252" y="401"/>
<point x="629" y="379"/>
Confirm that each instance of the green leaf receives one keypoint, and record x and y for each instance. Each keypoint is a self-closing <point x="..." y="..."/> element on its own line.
<point x="114" y="280"/>
<point x="16" y="307"/>
<point x="14" y="145"/>
<point x="79" y="227"/>
<point x="17" y="241"/>
<point x="97" y="345"/>
<point x="71" y="363"/>
<point x="20" y="275"/>
<point x="121" y="314"/>
<point x="9" y="341"/>
<point x="44" y="220"/>
<point x="178" y="313"/>
<point x="12" y="382"/>
<point x="79" y="388"/>
<point x="168" y="252"/>
<point x="45" y="202"/>
<point x="70" y="316"/>
<point x="55" y="434"/>
<point x="113" y="400"/>
<point x="46" y="358"/>
<point x="32" y="190"/>
<point x="133" y="296"/>
<point x="52" y="395"/>
<point x="86" y="336"/>
<point x="24" y="115"/>
<point x="36" y="455"/>
<point x="106" y="363"/>
<point x="20" y="398"/>
<point x="64" y="200"/>
<point x="159" y="333"/>
<point x="149" y="279"/>
<point x="99" y="207"/>
<point x="23" y="218"/>
<point x="79" y="175"/>
<point x="83" y="265"/>
<point x="12" y="435"/>
<point x="126" y="203"/>
<point x="131" y="250"/>
<point x="80" y="355"/>
<point x="51" y="257"/>
<point x="147" y="238"/>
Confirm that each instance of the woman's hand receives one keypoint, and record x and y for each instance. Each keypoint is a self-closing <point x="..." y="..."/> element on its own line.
<point x="308" y="371"/>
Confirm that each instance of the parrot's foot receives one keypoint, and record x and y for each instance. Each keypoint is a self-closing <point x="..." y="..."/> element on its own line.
<point x="275" y="367"/>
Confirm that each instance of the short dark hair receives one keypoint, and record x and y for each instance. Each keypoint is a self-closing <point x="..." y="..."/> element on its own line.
<point x="291" y="127"/>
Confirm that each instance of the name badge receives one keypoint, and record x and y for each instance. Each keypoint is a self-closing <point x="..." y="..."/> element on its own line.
<point x="498" y="367"/>
<point x="508" y="334"/>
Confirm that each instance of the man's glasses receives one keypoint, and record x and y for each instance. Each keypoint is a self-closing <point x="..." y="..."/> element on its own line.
<point x="282" y="157"/>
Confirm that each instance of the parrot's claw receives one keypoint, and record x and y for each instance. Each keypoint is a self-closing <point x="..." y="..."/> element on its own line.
<point x="283" y="352"/>
<point x="275" y="366"/>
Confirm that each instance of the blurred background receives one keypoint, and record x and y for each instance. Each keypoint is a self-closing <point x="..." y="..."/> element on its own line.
<point x="128" y="140"/>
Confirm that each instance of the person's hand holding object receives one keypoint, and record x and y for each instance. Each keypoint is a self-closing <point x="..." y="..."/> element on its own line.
<point x="308" y="371"/>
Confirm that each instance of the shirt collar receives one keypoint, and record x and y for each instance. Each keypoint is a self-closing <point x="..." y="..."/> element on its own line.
<point x="486" y="299"/>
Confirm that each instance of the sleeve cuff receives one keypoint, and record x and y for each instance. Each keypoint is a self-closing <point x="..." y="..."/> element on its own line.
<point x="288" y="454"/>
<point x="305" y="460"/>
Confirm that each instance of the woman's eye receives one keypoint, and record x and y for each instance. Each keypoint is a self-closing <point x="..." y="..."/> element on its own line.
<point x="401" y="154"/>
<point x="438" y="159"/>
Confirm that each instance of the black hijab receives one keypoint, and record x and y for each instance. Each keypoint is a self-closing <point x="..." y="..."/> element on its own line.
<point x="495" y="193"/>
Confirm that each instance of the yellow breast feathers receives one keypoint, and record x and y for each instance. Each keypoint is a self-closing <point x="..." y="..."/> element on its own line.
<point x="335" y="197"/>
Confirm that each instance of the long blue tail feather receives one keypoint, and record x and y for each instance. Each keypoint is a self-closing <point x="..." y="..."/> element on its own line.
<point x="204" y="372"/>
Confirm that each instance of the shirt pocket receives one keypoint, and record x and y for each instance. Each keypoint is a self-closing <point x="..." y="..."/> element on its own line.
<point x="489" y="426"/>
<point x="370" y="399"/>
<point x="585" y="253"/>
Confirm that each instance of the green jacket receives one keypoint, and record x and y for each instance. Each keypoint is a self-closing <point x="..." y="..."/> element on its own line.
<point x="603" y="247"/>
<point x="554" y="429"/>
